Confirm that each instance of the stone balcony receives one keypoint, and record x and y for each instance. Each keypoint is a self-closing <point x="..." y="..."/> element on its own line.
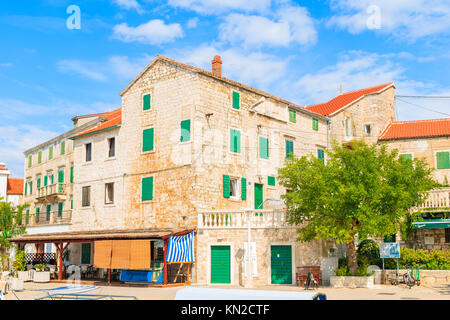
<point x="438" y="200"/>
<point x="51" y="193"/>
<point x="241" y="219"/>
<point x="48" y="218"/>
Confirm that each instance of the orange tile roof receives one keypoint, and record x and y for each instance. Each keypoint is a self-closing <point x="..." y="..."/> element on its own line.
<point x="345" y="99"/>
<point x="416" y="129"/>
<point x="14" y="186"/>
<point x="111" y="119"/>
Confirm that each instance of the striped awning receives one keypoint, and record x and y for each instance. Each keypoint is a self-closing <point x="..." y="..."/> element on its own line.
<point x="432" y="224"/>
<point x="181" y="248"/>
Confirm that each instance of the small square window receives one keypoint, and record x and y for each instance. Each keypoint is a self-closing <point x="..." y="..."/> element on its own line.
<point x="111" y="147"/>
<point x="368" y="129"/>
<point x="109" y="193"/>
<point x="86" y="197"/>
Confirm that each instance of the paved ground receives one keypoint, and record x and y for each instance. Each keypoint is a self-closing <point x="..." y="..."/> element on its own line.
<point x="381" y="292"/>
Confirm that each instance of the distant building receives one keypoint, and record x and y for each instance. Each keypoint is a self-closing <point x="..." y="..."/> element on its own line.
<point x="11" y="190"/>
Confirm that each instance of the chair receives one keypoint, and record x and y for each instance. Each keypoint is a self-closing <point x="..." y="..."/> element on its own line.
<point x="302" y="274"/>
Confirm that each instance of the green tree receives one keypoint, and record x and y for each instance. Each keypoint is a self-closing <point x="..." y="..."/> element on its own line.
<point x="10" y="226"/>
<point x="361" y="191"/>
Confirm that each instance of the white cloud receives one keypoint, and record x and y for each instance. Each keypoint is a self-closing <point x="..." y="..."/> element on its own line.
<point x="411" y="19"/>
<point x="152" y="32"/>
<point x="219" y="6"/>
<point x="291" y="24"/>
<point x="257" y="69"/>
<point x="122" y="67"/>
<point x="129" y="4"/>
<point x="192" y="23"/>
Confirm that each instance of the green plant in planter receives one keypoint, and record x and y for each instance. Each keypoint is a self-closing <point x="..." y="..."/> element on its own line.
<point x="20" y="264"/>
<point x="40" y="267"/>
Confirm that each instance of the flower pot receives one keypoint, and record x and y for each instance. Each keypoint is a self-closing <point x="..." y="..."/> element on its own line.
<point x="41" y="276"/>
<point x="352" y="282"/>
<point x="23" y="275"/>
<point x="16" y="284"/>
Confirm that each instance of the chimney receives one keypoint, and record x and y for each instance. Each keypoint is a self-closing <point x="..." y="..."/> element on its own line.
<point x="342" y="89"/>
<point x="217" y="66"/>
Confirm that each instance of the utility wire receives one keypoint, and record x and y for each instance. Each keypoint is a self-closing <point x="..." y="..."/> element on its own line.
<point x="424" y="97"/>
<point x="422" y="107"/>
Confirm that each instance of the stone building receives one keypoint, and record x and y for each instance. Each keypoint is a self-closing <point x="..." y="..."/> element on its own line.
<point x="428" y="140"/>
<point x="10" y="189"/>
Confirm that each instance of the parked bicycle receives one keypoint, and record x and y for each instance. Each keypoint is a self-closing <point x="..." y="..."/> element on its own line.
<point x="409" y="278"/>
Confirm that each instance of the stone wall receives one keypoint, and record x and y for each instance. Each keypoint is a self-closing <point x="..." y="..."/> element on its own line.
<point x="429" y="239"/>
<point x="427" y="277"/>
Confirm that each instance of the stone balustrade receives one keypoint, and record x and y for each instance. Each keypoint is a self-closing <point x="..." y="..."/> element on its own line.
<point x="242" y="218"/>
<point x="437" y="199"/>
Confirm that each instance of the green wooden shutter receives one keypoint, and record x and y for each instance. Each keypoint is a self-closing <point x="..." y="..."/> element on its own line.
<point x="315" y="124"/>
<point x="271" y="181"/>
<point x="50" y="153"/>
<point x="235" y="141"/>
<point x="292" y="116"/>
<point x="220" y="264"/>
<point x="185" y="130"/>
<point x="40" y="157"/>
<point x="27" y="216"/>
<point x="244" y="189"/>
<point x="71" y="204"/>
<point x="148" y="140"/>
<point x="30" y="161"/>
<point x="226" y="186"/>
<point x="263" y="148"/>
<point x="51" y="179"/>
<point x="259" y="195"/>
<point x="45" y="181"/>
<point x="443" y="160"/>
<point x="147" y="102"/>
<point x="63" y="147"/>
<point x="38" y="183"/>
<point x="147" y="189"/>
<point x="71" y="174"/>
<point x="61" y="176"/>
<point x="236" y="100"/>
<point x="31" y="187"/>
<point x="37" y="214"/>
<point x="85" y="253"/>
<point x="321" y="154"/>
<point x="49" y="207"/>
<point x="26" y="187"/>
<point x="405" y="156"/>
<point x="60" y="209"/>
<point x="289" y="148"/>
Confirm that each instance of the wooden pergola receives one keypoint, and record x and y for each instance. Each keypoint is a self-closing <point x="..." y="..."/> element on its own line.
<point x="63" y="239"/>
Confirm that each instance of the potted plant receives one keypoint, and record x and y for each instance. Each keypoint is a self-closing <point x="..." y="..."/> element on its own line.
<point x="42" y="273"/>
<point x="359" y="279"/>
<point x="20" y="266"/>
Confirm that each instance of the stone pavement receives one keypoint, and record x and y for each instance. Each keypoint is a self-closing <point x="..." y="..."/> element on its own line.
<point x="380" y="292"/>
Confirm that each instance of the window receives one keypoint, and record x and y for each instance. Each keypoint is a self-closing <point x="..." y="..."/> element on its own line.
<point x="367" y="129"/>
<point x="147" y="189"/>
<point x="390" y="238"/>
<point x="443" y="160"/>
<point x="45" y="180"/>
<point x="185" y="130"/>
<point x="31" y="187"/>
<point x="263" y="148"/>
<point x="271" y="181"/>
<point x="109" y="193"/>
<point x="88" y="149"/>
<point x="63" y="148"/>
<point x="30" y="161"/>
<point x="406" y="156"/>
<point x="71" y="174"/>
<point x="148" y="140"/>
<point x="147" y="102"/>
<point x="348" y="128"/>
<point x="315" y="124"/>
<point x="321" y="154"/>
<point x="60" y="209"/>
<point x="234" y="188"/>
<point x="111" y="147"/>
<point x="235" y="141"/>
<point x="50" y="153"/>
<point x="38" y="178"/>
<point x="236" y="100"/>
<point x="292" y="116"/>
<point x="289" y="148"/>
<point x="447" y="235"/>
<point x="40" y="157"/>
<point x="86" y="197"/>
<point x="244" y="189"/>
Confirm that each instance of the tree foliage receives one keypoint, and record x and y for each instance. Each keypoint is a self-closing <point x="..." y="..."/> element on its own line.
<point x="361" y="190"/>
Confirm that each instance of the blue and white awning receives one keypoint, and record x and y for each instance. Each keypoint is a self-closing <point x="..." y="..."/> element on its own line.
<point x="181" y="248"/>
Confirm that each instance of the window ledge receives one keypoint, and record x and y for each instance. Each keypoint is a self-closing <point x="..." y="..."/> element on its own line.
<point x="87" y="163"/>
<point x="148" y="152"/>
<point x="110" y="205"/>
<point x="111" y="159"/>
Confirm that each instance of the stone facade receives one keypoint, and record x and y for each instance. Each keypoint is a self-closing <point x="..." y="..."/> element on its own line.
<point x="431" y="239"/>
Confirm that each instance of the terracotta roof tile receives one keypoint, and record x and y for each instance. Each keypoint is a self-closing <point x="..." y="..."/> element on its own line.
<point x="416" y="129"/>
<point x="111" y="119"/>
<point x="14" y="186"/>
<point x="345" y="99"/>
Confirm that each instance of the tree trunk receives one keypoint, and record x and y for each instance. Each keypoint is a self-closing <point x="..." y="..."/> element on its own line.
<point x="352" y="261"/>
<point x="3" y="259"/>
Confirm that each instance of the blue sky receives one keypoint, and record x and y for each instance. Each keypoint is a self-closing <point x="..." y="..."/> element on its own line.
<point x="299" y="50"/>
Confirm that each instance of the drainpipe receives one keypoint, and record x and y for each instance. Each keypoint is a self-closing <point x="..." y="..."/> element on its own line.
<point x="249" y="282"/>
<point x="328" y="132"/>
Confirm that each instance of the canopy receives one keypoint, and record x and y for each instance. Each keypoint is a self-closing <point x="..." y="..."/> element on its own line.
<point x="181" y="248"/>
<point x="432" y="224"/>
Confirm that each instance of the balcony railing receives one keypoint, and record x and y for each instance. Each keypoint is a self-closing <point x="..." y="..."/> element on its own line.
<point x="48" y="218"/>
<point x="51" y="190"/>
<point x="242" y="219"/>
<point x="438" y="199"/>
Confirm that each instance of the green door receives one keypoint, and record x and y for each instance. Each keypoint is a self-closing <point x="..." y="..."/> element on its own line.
<point x="85" y="253"/>
<point x="258" y="196"/>
<point x="281" y="264"/>
<point x="220" y="264"/>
